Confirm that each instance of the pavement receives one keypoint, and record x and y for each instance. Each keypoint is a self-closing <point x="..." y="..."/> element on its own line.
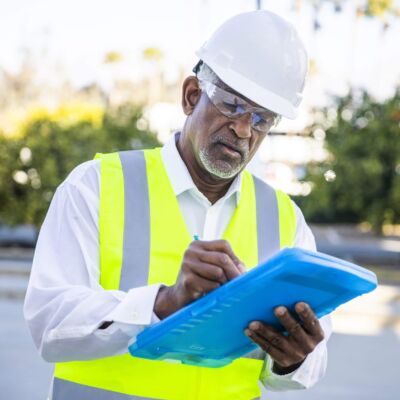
<point x="24" y="375"/>
<point x="378" y="253"/>
<point x="15" y="267"/>
<point x="363" y="351"/>
<point x="363" y="247"/>
<point x="363" y="354"/>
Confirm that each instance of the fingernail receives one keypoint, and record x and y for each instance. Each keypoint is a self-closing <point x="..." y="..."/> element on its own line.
<point x="247" y="332"/>
<point x="254" y="326"/>
<point x="280" y="311"/>
<point x="301" y="307"/>
<point x="242" y="267"/>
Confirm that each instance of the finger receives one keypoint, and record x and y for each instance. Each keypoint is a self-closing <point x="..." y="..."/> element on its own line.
<point x="207" y="271"/>
<point x="271" y="334"/>
<point x="221" y="260"/>
<point x="198" y="250"/>
<point x="239" y="264"/>
<point x="292" y="352"/>
<point x="196" y="286"/>
<point x="223" y="246"/>
<point x="226" y="247"/>
<point x="310" y="321"/>
<point x="267" y="346"/>
<point x="292" y="326"/>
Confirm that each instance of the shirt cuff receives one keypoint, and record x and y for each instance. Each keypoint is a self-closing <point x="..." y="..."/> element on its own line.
<point x="276" y="382"/>
<point x="310" y="371"/>
<point x="136" y="308"/>
<point x="313" y="367"/>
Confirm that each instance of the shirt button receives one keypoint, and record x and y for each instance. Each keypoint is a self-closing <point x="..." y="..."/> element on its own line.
<point x="135" y="314"/>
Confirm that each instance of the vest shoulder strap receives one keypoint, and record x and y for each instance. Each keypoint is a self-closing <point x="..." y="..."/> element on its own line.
<point x="275" y="207"/>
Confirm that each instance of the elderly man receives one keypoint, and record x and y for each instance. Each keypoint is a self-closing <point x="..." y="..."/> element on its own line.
<point x="116" y="251"/>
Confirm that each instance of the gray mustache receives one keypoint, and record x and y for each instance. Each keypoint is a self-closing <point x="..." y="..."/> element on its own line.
<point x="242" y="146"/>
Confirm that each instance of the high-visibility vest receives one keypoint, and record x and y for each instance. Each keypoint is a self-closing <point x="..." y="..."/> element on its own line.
<point x="143" y="237"/>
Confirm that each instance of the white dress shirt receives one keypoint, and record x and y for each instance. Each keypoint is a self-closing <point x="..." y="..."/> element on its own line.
<point x="65" y="304"/>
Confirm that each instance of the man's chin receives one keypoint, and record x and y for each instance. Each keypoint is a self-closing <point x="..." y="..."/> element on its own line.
<point x="223" y="169"/>
<point x="222" y="166"/>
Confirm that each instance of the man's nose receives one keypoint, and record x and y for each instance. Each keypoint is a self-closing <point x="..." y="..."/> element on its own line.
<point x="242" y="126"/>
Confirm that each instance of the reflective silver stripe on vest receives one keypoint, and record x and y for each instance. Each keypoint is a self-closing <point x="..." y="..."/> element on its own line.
<point x="136" y="253"/>
<point x="66" y="390"/>
<point x="268" y="234"/>
<point x="135" y="264"/>
<point x="257" y="354"/>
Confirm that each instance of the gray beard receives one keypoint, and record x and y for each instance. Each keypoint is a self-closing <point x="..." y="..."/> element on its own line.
<point x="213" y="169"/>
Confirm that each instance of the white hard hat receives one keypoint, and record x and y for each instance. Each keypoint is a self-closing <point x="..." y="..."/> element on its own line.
<point x="259" y="55"/>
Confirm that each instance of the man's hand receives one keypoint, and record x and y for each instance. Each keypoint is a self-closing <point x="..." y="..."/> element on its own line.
<point x="205" y="266"/>
<point x="288" y="352"/>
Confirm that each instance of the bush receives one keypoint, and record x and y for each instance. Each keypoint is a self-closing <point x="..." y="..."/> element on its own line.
<point x="360" y="180"/>
<point x="35" y="162"/>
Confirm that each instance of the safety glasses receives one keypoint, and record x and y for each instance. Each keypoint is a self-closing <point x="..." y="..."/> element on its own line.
<point x="234" y="106"/>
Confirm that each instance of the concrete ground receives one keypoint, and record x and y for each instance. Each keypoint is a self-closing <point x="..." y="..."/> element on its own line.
<point x="364" y="350"/>
<point x="363" y="355"/>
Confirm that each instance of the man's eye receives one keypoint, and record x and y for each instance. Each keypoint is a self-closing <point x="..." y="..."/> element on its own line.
<point x="230" y="106"/>
<point x="258" y="120"/>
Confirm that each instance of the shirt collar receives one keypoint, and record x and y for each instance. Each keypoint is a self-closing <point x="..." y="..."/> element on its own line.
<point x="179" y="176"/>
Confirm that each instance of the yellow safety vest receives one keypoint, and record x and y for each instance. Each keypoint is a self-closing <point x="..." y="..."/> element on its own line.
<point x="142" y="240"/>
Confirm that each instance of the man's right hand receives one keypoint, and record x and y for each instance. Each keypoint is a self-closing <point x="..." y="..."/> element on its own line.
<point x="205" y="267"/>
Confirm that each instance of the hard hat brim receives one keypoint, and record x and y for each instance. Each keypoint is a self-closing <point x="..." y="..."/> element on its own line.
<point x="252" y="91"/>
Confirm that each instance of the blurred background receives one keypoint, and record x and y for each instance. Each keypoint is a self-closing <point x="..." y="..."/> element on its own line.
<point x="80" y="77"/>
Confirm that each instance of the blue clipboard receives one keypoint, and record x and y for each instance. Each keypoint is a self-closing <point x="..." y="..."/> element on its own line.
<point x="210" y="331"/>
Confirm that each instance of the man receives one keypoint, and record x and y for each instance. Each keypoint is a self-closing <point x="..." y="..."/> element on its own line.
<point x="116" y="251"/>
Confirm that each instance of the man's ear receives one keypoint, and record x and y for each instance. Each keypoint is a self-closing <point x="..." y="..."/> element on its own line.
<point x="191" y="94"/>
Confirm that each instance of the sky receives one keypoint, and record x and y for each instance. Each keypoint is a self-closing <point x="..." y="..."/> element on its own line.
<point x="76" y="34"/>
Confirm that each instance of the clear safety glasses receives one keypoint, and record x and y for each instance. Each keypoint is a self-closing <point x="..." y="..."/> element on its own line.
<point x="234" y="106"/>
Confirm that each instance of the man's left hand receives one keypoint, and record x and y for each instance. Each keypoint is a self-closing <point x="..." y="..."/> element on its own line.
<point x="288" y="352"/>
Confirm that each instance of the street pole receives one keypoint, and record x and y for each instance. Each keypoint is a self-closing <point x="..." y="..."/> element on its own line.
<point x="258" y="4"/>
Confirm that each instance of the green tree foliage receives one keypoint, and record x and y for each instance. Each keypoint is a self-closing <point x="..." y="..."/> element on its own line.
<point x="35" y="162"/>
<point x="360" y="180"/>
